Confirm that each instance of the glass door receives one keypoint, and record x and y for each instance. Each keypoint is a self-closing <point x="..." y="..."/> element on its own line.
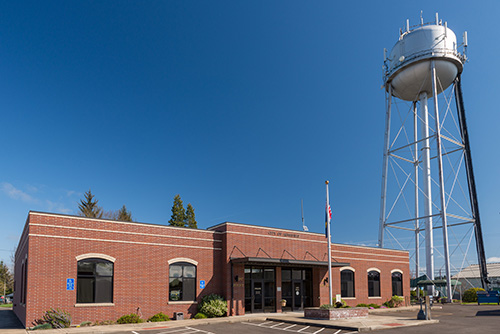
<point x="297" y="296"/>
<point x="258" y="297"/>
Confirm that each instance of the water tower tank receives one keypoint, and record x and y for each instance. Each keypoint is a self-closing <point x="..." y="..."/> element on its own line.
<point x="408" y="64"/>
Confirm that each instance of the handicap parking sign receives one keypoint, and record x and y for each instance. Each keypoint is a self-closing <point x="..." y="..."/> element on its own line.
<point x="202" y="284"/>
<point x="70" y="284"/>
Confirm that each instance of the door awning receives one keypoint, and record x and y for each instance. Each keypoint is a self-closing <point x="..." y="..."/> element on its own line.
<point x="285" y="262"/>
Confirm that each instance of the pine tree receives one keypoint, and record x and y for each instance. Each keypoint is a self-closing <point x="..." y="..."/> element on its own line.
<point x="89" y="207"/>
<point x="190" y="219"/>
<point x="124" y="214"/>
<point x="178" y="214"/>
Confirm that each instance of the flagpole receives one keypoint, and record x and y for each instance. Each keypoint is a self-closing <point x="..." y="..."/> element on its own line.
<point x="328" y="218"/>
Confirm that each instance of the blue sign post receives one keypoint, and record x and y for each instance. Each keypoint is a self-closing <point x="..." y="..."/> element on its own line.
<point x="202" y="284"/>
<point x="70" y="284"/>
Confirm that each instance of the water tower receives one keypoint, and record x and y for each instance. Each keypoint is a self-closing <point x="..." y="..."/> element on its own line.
<point x="427" y="179"/>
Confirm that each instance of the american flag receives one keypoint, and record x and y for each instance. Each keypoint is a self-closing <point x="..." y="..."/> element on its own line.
<point x="328" y="217"/>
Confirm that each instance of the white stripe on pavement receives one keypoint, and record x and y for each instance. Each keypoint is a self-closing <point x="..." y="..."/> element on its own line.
<point x="289" y="327"/>
<point x="337" y="331"/>
<point x="281" y="323"/>
<point x="300" y="330"/>
<point x="319" y="330"/>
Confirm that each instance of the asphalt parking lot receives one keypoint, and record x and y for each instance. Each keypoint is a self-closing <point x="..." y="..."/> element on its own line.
<point x="264" y="327"/>
<point x="453" y="319"/>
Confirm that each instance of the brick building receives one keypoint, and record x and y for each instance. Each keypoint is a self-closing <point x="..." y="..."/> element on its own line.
<point x="98" y="269"/>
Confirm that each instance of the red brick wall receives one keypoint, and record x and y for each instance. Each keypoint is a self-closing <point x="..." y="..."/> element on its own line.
<point x="140" y="270"/>
<point x="142" y="252"/>
<point x="256" y="241"/>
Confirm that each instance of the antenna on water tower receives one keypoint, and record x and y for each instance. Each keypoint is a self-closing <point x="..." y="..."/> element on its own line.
<point x="428" y="154"/>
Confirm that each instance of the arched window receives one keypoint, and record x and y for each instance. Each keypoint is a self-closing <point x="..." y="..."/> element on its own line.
<point x="373" y="284"/>
<point x="397" y="284"/>
<point x="94" y="281"/>
<point x="182" y="282"/>
<point x="347" y="283"/>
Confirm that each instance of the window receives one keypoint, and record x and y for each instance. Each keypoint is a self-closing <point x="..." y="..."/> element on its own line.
<point x="373" y="284"/>
<point x="397" y="284"/>
<point x="94" y="281"/>
<point x="182" y="282"/>
<point x="347" y="283"/>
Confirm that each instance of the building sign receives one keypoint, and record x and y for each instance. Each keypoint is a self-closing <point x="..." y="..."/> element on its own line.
<point x="202" y="284"/>
<point x="70" y="284"/>
<point x="284" y="234"/>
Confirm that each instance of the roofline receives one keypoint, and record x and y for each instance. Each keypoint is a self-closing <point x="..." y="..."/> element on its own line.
<point x="40" y="213"/>
<point x="302" y="232"/>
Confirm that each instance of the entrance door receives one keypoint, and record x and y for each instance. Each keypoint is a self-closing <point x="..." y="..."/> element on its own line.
<point x="258" y="297"/>
<point x="297" y="296"/>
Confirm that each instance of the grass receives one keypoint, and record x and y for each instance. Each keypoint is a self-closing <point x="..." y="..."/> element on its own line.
<point x="5" y="305"/>
<point x="475" y="303"/>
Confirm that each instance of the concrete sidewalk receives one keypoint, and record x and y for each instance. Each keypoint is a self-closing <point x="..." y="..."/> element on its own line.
<point x="377" y="319"/>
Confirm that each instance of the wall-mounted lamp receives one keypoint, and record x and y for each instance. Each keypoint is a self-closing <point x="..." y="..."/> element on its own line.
<point x="236" y="278"/>
<point x="325" y="281"/>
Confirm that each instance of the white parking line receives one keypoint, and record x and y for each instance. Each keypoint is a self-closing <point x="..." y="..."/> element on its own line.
<point x="289" y="327"/>
<point x="300" y="330"/>
<point x="281" y="323"/>
<point x="337" y="331"/>
<point x="319" y="330"/>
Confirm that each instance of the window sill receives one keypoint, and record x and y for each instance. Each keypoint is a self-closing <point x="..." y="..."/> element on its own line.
<point x="94" y="304"/>
<point x="375" y="297"/>
<point x="182" y="302"/>
<point x="348" y="297"/>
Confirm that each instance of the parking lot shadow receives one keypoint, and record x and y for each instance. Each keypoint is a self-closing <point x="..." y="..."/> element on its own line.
<point x="488" y="313"/>
<point x="8" y="320"/>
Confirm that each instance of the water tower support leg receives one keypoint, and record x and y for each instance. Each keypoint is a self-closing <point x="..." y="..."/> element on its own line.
<point x="385" y="168"/>
<point x="415" y="148"/>
<point x="427" y="192"/>
<point x="441" y="184"/>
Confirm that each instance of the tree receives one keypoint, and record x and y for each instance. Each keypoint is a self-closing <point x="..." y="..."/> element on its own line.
<point x="6" y="279"/>
<point x="124" y="215"/>
<point x="88" y="207"/>
<point x="190" y="219"/>
<point x="178" y="214"/>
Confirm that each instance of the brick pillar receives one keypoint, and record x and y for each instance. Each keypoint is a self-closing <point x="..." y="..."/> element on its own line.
<point x="278" y="290"/>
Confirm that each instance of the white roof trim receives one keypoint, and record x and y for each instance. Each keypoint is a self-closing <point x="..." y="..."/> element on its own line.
<point x="183" y="259"/>
<point x="95" y="255"/>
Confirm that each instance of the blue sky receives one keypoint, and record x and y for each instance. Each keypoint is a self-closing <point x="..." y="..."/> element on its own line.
<point x="242" y="107"/>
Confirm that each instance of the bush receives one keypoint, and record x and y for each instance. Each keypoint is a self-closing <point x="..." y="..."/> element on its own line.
<point x="200" y="316"/>
<point x="86" y="323"/>
<point x="56" y="318"/>
<point x="159" y="317"/>
<point x="327" y="307"/>
<point x="374" y="305"/>
<point x="103" y="322"/>
<point x="470" y="295"/>
<point x="395" y="301"/>
<point x="42" y="326"/>
<point x="362" y="305"/>
<point x="213" y="306"/>
<point x="129" y="319"/>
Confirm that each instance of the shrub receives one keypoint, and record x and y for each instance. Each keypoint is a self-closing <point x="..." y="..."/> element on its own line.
<point x="159" y="317"/>
<point x="362" y="305"/>
<point x="213" y="306"/>
<point x="103" y="322"/>
<point x="129" y="319"/>
<point x="56" y="318"/>
<point x="470" y="295"/>
<point x="374" y="305"/>
<point x="200" y="316"/>
<point x="42" y="326"/>
<point x="327" y="307"/>
<point x="86" y="323"/>
<point x="397" y="301"/>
